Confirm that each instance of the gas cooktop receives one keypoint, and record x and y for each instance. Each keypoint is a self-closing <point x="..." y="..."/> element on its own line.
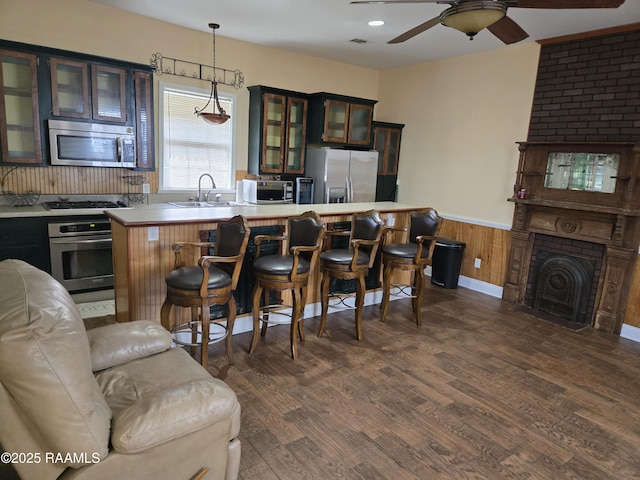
<point x="85" y="204"/>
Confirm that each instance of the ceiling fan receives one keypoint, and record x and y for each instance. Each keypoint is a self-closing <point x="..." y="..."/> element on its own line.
<point x="471" y="16"/>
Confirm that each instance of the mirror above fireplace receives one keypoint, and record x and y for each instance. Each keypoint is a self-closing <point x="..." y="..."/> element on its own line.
<point x="588" y="172"/>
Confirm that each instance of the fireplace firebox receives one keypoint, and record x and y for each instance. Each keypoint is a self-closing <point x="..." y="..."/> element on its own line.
<point x="561" y="286"/>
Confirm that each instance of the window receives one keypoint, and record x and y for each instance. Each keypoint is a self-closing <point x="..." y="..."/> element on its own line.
<point x="191" y="146"/>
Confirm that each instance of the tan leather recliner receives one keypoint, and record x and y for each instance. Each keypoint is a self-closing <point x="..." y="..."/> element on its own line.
<point x="111" y="402"/>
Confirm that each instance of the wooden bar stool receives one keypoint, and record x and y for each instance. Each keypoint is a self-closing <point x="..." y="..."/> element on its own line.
<point x="289" y="271"/>
<point x="211" y="282"/>
<point x="353" y="262"/>
<point x="412" y="256"/>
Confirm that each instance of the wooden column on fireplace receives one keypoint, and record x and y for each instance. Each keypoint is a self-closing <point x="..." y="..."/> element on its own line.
<point x="610" y="219"/>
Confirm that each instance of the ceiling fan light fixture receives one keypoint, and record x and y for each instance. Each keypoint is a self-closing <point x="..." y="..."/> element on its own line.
<point x="213" y="118"/>
<point x="472" y="17"/>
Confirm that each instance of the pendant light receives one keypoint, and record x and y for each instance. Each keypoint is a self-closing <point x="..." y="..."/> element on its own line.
<point x="213" y="118"/>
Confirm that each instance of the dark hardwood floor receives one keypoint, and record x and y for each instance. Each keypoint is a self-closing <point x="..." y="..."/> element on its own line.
<point x="480" y="391"/>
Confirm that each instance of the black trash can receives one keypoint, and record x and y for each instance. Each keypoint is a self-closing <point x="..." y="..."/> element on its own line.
<point x="446" y="262"/>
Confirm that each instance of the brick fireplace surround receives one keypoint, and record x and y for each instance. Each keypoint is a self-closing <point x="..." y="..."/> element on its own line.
<point x="587" y="99"/>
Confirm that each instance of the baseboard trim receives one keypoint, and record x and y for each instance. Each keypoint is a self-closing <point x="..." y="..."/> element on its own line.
<point x="630" y="332"/>
<point x="245" y="324"/>
<point x="476" y="285"/>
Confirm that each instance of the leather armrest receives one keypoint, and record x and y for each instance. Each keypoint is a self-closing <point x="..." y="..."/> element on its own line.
<point x="172" y="413"/>
<point x="123" y="342"/>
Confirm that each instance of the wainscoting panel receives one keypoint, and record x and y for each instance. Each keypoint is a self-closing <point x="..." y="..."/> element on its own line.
<point x="489" y="244"/>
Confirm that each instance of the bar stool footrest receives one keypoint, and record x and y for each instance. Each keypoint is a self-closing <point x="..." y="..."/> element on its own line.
<point x="217" y="333"/>
<point x="403" y="291"/>
<point x="280" y="307"/>
<point x="342" y="300"/>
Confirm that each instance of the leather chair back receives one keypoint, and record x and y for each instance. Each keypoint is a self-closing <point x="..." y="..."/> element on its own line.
<point x="425" y="223"/>
<point x="232" y="238"/>
<point x="367" y="226"/>
<point x="45" y="349"/>
<point x="304" y="231"/>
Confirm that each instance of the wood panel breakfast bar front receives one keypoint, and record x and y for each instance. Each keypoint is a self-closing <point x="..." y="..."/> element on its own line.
<point x="142" y="239"/>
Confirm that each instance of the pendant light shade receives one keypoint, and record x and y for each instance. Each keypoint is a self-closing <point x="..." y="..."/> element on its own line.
<point x="220" y="117"/>
<point x="472" y="17"/>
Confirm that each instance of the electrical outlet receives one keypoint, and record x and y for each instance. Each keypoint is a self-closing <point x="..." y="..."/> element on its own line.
<point x="476" y="263"/>
<point x="146" y="188"/>
<point x="391" y="220"/>
<point x="153" y="234"/>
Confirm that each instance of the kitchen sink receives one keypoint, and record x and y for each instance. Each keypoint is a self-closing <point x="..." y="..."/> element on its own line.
<point x="202" y="204"/>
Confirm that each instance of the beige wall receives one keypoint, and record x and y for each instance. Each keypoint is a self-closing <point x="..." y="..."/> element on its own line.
<point x="462" y="115"/>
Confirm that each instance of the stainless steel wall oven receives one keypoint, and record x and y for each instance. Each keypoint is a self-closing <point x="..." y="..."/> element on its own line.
<point x="81" y="258"/>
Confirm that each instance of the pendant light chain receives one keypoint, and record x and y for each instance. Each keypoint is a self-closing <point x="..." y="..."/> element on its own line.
<point x="214" y="26"/>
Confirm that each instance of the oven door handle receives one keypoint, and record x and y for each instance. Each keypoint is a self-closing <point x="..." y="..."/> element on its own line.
<point x="76" y="241"/>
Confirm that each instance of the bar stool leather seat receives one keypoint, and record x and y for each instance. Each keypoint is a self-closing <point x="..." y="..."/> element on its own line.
<point x="280" y="265"/>
<point x="190" y="278"/>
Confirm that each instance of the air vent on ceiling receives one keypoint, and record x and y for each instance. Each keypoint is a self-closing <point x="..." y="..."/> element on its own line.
<point x="358" y="40"/>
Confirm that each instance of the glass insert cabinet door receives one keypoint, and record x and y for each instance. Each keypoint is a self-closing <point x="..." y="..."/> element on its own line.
<point x="69" y="88"/>
<point x="360" y="117"/>
<point x="387" y="142"/>
<point x="296" y="135"/>
<point x="336" y="121"/>
<point x="19" y="120"/>
<point x="273" y="133"/>
<point x="144" y="120"/>
<point x="108" y="93"/>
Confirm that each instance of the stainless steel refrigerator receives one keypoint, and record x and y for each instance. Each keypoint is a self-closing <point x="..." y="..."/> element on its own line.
<point x="342" y="176"/>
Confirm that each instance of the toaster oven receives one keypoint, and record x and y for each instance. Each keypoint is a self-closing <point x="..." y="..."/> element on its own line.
<point x="267" y="191"/>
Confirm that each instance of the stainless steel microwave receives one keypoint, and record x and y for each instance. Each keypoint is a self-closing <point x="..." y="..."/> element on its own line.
<point x="83" y="144"/>
<point x="267" y="191"/>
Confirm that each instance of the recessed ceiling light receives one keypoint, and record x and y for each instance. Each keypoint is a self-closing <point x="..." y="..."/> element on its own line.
<point x="376" y="23"/>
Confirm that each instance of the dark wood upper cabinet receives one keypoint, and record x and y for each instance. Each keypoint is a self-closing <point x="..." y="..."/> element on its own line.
<point x="143" y="87"/>
<point x="386" y="140"/>
<point x="277" y="131"/>
<point x="339" y="120"/>
<point x="40" y="83"/>
<point x="20" y="139"/>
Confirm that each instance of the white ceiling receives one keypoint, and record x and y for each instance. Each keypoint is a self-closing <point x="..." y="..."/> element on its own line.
<point x="324" y="28"/>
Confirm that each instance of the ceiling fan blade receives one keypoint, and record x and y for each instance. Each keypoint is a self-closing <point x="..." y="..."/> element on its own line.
<point x="416" y="30"/>
<point x="399" y="1"/>
<point x="557" y="4"/>
<point x="507" y="30"/>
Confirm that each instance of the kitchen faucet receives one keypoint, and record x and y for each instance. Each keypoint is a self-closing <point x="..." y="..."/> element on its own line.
<point x="213" y="186"/>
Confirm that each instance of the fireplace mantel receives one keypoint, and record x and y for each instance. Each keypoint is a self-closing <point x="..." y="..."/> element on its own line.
<point x="610" y="219"/>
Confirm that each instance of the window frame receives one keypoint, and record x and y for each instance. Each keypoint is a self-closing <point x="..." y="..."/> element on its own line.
<point x="205" y="92"/>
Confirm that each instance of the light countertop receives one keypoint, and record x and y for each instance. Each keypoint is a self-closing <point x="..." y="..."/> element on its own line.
<point x="157" y="214"/>
<point x="162" y="212"/>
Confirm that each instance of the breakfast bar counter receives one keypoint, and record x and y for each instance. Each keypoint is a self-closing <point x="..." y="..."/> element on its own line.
<point x="142" y="239"/>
